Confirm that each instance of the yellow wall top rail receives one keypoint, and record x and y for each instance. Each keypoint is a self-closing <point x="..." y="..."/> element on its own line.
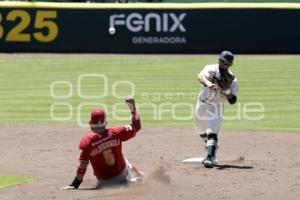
<point x="188" y="6"/>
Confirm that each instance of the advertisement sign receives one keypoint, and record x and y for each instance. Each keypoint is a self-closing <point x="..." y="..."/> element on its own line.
<point x="149" y="30"/>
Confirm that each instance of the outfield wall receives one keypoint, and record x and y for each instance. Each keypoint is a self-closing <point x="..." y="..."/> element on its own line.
<point x="150" y="28"/>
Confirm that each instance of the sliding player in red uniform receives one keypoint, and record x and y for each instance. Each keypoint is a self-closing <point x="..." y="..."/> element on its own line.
<point x="102" y="147"/>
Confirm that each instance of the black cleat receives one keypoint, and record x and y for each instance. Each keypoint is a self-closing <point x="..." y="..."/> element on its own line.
<point x="208" y="163"/>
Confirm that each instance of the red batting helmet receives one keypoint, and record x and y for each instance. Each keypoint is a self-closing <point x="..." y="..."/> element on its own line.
<point x="98" y="119"/>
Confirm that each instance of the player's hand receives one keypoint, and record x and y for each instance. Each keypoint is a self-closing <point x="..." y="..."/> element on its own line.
<point x="213" y="86"/>
<point x="131" y="103"/>
<point x="226" y="92"/>
<point x="68" y="187"/>
<point x="210" y="83"/>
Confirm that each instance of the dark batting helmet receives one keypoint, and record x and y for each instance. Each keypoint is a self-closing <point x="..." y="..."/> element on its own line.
<point x="226" y="57"/>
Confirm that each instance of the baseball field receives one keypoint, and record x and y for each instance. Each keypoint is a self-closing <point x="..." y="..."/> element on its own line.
<point x="46" y="100"/>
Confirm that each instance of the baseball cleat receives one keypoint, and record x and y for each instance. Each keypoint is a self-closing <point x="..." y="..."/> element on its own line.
<point x="208" y="163"/>
<point x="214" y="160"/>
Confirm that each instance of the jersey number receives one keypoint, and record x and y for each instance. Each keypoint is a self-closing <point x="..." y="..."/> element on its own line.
<point x="109" y="157"/>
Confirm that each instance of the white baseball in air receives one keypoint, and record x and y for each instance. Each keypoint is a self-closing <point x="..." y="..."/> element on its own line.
<point x="112" y="30"/>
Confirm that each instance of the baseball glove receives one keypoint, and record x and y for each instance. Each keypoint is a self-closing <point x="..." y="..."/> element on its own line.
<point x="225" y="79"/>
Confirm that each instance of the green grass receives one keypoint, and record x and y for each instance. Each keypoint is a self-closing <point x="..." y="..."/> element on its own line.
<point x="160" y="82"/>
<point x="8" y="181"/>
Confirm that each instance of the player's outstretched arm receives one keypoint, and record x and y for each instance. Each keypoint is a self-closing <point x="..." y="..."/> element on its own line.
<point x="79" y="176"/>
<point x="136" y="123"/>
<point x="207" y="82"/>
<point x="74" y="185"/>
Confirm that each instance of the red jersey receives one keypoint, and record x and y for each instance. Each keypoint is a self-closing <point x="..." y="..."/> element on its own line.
<point x="104" y="150"/>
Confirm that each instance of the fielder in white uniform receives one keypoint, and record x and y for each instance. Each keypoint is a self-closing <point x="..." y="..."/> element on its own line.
<point x="219" y="84"/>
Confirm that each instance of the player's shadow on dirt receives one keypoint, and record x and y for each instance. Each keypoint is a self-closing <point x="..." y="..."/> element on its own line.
<point x="116" y="186"/>
<point x="222" y="167"/>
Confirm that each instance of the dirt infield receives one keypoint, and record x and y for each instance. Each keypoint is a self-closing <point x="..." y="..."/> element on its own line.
<point x="253" y="165"/>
